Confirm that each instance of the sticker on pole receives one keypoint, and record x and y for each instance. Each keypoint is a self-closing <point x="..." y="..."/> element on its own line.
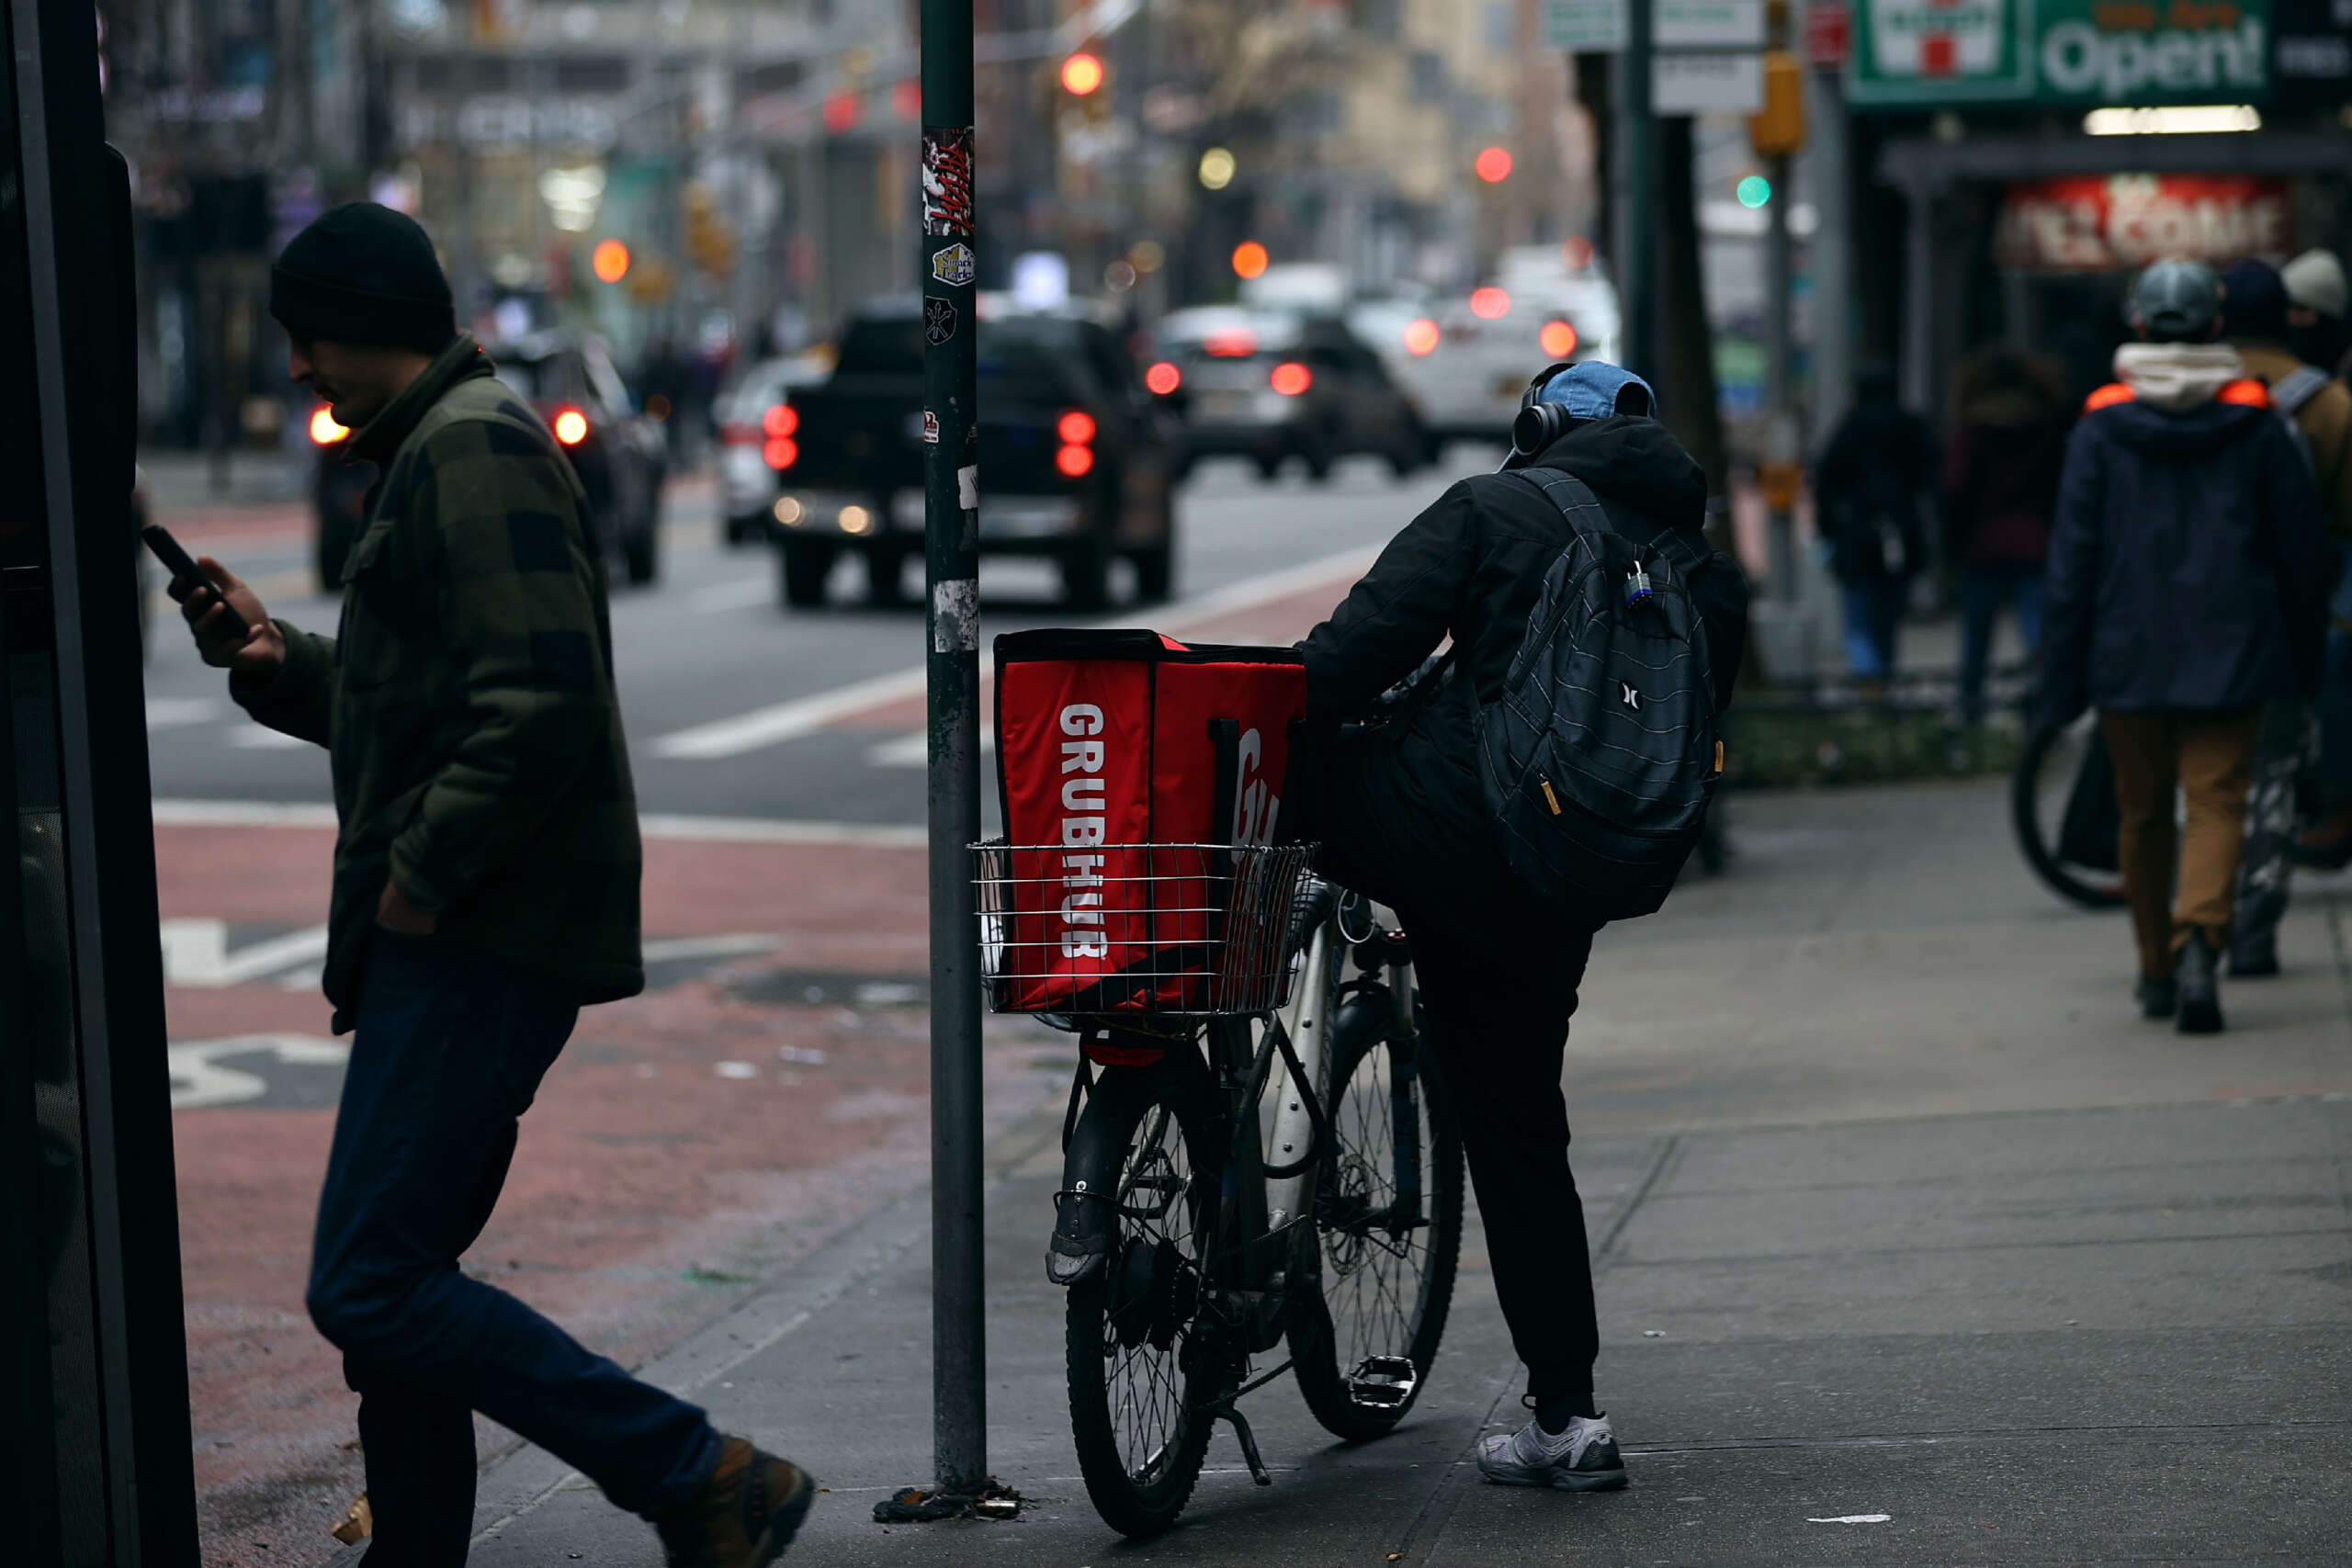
<point x="954" y="267"/>
<point x="939" y="318"/>
<point x="947" y="180"/>
<point x="929" y="427"/>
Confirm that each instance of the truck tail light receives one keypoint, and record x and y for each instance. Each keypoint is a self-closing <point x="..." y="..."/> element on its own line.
<point x="780" y="453"/>
<point x="1076" y="427"/>
<point x="1076" y="459"/>
<point x="781" y="421"/>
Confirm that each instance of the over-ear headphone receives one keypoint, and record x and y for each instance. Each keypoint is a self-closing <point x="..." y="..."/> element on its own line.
<point x="1537" y="425"/>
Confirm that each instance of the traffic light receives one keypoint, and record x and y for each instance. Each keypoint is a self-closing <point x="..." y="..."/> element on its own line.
<point x="710" y="240"/>
<point x="1777" y="130"/>
<point x="1082" y="73"/>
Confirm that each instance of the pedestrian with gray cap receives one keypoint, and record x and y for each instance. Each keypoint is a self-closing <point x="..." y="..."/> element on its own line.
<point x="2190" y="573"/>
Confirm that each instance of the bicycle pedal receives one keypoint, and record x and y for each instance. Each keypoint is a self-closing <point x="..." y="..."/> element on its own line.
<point x="1384" y="1380"/>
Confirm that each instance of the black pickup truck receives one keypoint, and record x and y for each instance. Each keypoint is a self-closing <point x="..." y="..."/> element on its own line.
<point x="1077" y="462"/>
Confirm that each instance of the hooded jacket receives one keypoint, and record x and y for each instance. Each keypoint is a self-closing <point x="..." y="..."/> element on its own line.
<point x="2189" y="566"/>
<point x="1404" y="817"/>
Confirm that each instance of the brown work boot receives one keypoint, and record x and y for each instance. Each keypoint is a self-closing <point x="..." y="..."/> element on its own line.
<point x="746" y="1515"/>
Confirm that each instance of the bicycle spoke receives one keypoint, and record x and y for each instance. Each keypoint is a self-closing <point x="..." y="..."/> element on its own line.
<point x="1145" y="1383"/>
<point x="1377" y="1265"/>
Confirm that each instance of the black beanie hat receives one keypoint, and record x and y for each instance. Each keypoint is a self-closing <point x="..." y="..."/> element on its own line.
<point x="363" y="273"/>
<point x="2254" y="301"/>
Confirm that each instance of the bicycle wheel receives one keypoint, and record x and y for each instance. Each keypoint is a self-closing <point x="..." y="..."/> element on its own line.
<point x="1364" y="1327"/>
<point x="1141" y="1371"/>
<point x="2042" y="791"/>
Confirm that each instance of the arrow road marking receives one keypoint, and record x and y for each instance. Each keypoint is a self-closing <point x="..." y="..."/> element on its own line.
<point x="196" y="953"/>
<point x="198" y="1080"/>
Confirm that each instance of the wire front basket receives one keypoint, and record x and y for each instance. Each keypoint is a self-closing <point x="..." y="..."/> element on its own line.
<point x="1129" y="931"/>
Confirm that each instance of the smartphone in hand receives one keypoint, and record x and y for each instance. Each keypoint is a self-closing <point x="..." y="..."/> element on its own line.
<point x="179" y="563"/>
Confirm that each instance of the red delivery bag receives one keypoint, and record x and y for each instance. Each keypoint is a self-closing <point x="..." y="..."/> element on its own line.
<point x="1111" y="747"/>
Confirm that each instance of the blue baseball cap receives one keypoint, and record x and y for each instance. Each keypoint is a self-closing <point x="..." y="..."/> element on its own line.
<point x="1592" y="389"/>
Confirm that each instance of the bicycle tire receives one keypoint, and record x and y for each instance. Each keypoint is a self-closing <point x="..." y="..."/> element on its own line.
<point x="1135" y="1319"/>
<point x="2025" y="818"/>
<point x="1330" y="1332"/>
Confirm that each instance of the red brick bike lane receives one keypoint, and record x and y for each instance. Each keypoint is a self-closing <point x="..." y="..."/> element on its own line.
<point x="768" y="1091"/>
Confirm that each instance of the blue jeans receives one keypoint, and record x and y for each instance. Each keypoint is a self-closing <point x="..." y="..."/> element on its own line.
<point x="1983" y="591"/>
<point x="1873" y="612"/>
<point x="448" y="1051"/>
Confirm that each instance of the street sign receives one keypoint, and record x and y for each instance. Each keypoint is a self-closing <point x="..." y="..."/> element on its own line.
<point x="1911" y="54"/>
<point x="1709" y="24"/>
<point x="1599" y="27"/>
<point x="1829" y="34"/>
<point x="1585" y="27"/>
<point x="1707" y="83"/>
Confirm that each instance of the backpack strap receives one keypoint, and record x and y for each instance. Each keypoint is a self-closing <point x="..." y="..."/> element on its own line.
<point x="1583" y="510"/>
<point x="2298" y="388"/>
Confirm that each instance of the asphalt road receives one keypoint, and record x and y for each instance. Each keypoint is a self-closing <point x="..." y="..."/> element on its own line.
<point x="739" y="708"/>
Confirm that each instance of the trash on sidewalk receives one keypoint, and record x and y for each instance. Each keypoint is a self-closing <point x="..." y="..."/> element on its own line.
<point x="914" y="1505"/>
<point x="357" y="1525"/>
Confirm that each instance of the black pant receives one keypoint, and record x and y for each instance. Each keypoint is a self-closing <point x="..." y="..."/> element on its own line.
<point x="448" y="1054"/>
<point x="1495" y="1002"/>
<point x="1498" y="981"/>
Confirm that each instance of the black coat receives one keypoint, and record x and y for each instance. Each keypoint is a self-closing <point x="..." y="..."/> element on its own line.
<point x="1867" y="493"/>
<point x="2189" y="564"/>
<point x="1399" y="808"/>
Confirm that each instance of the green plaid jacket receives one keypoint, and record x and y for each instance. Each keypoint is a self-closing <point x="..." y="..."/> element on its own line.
<point x="467" y="698"/>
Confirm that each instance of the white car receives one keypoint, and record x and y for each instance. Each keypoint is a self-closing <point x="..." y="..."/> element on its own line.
<point x="752" y="415"/>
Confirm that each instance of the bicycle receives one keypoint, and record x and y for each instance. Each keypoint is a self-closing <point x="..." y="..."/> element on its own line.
<point x="1265" y="1155"/>
<point x="2061" y="806"/>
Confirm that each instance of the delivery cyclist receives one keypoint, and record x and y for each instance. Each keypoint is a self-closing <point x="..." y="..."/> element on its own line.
<point x="1400" y="810"/>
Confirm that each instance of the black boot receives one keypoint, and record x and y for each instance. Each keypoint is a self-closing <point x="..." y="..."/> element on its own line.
<point x="2254" y="957"/>
<point x="2158" y="999"/>
<point x="2200" y="991"/>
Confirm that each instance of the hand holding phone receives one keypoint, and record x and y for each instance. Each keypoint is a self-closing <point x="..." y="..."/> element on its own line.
<point x="232" y="632"/>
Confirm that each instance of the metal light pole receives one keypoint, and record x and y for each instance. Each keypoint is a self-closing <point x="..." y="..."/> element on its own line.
<point x="951" y="559"/>
<point x="1637" y="245"/>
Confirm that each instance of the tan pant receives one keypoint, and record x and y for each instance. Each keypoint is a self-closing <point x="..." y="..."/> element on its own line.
<point x="2209" y="756"/>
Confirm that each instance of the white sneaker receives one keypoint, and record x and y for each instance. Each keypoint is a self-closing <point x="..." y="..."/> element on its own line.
<point x="1582" y="1459"/>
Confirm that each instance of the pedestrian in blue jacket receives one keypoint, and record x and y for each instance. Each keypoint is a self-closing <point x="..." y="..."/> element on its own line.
<point x="2190" y="573"/>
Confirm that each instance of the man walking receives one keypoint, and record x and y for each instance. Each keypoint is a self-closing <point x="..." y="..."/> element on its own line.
<point x="2189" y="572"/>
<point x="485" y="887"/>
<point x="2254" y="314"/>
<point x="1403" y="819"/>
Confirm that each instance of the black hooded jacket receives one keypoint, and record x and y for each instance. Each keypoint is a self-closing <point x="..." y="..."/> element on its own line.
<point x="2189" y="565"/>
<point x="1400" y="809"/>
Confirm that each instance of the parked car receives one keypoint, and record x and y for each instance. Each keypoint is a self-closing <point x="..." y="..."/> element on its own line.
<point x="1269" y="386"/>
<point x="568" y="378"/>
<point x="747" y="485"/>
<point x="1077" y="461"/>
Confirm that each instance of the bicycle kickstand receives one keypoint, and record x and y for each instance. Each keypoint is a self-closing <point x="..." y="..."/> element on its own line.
<point x="1249" y="1443"/>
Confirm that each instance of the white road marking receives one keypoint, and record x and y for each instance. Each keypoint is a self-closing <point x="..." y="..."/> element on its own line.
<point x="735" y="737"/>
<point x="668" y="828"/>
<point x="177" y="712"/>
<point x="197" y="1081"/>
<point x="729" y="596"/>
<point x="261" y="738"/>
<point x="676" y="949"/>
<point x="912" y="750"/>
<point x="788" y="720"/>
<point x="1853" y="1519"/>
<point x="196" y="955"/>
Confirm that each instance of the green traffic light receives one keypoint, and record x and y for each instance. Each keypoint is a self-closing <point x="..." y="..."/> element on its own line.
<point x="1755" y="191"/>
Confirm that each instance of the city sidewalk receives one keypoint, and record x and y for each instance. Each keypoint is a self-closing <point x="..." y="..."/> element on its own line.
<point x="1915" y="1245"/>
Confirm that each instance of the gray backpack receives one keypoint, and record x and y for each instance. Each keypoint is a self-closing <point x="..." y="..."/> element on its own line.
<point x="1599" y="759"/>
<point x="2287" y="399"/>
